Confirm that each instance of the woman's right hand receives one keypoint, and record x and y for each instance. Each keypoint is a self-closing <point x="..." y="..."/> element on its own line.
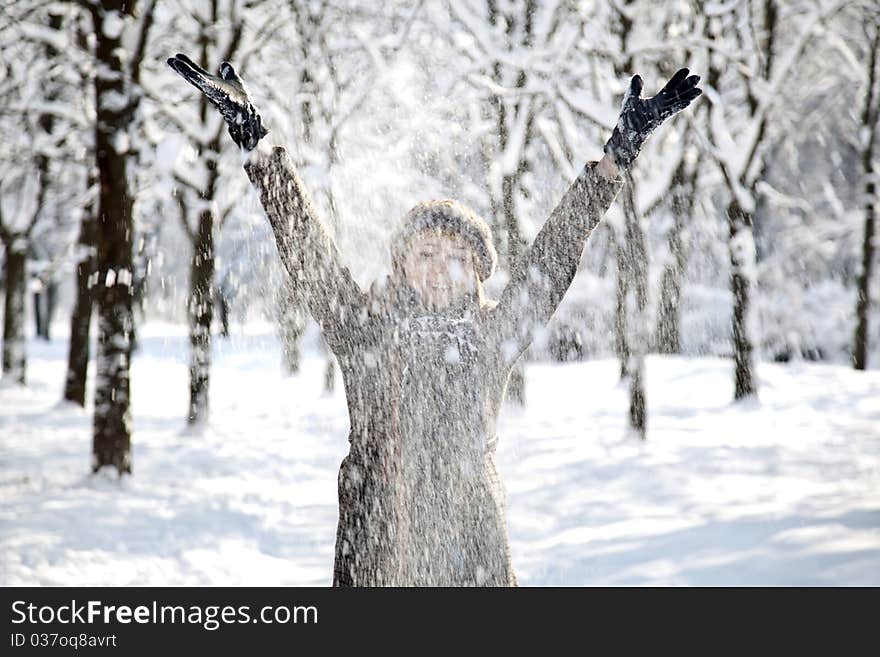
<point x="228" y="94"/>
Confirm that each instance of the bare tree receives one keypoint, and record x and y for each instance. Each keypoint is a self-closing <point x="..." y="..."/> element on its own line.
<point x="85" y="252"/>
<point x="683" y="195"/>
<point x="868" y="131"/>
<point x="630" y="324"/>
<point x="682" y="198"/>
<point x="31" y="137"/>
<point x="219" y="35"/>
<point x="117" y="95"/>
<point x="744" y="102"/>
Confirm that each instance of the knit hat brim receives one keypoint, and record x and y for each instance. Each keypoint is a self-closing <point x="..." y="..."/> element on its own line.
<point x="450" y="217"/>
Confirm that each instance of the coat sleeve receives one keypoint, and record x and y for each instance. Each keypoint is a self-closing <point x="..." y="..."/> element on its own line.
<point x="542" y="277"/>
<point x="308" y="253"/>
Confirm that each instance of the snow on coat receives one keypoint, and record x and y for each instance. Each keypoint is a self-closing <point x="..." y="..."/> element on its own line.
<point x="420" y="500"/>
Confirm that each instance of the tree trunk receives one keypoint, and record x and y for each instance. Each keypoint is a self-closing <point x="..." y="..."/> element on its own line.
<point x="860" y="348"/>
<point x="86" y="274"/>
<point x="329" y="376"/>
<point x="51" y="305"/>
<point x="329" y="369"/>
<point x="200" y="307"/>
<point x="14" y="348"/>
<point x="870" y="117"/>
<point x="45" y="302"/>
<point x="634" y="267"/>
<point x="668" y="336"/>
<point x="223" y="311"/>
<point x="81" y="317"/>
<point x="221" y="300"/>
<point x="621" y="328"/>
<point x="200" y="304"/>
<point x="623" y="243"/>
<point x="742" y="282"/>
<point x="112" y="423"/>
<point x="44" y="299"/>
<point x="201" y="314"/>
<point x="291" y="327"/>
<point x="40" y="330"/>
<point x="516" y="384"/>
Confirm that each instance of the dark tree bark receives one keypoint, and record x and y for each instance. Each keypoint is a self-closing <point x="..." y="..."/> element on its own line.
<point x="14" y="350"/>
<point x="870" y="119"/>
<point x="81" y="316"/>
<point x="223" y="311"/>
<point x="742" y="264"/>
<point x="40" y="329"/>
<point x="201" y="314"/>
<point x="115" y="106"/>
<point x="45" y="302"/>
<point x="51" y="305"/>
<point x="200" y="302"/>
<point x="112" y="427"/>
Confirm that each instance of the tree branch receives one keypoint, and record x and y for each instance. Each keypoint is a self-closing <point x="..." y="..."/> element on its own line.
<point x="137" y="58"/>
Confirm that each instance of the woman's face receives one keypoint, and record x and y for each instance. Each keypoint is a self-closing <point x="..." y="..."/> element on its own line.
<point x="440" y="267"/>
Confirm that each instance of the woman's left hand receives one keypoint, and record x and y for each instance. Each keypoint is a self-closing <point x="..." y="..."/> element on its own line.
<point x="639" y="117"/>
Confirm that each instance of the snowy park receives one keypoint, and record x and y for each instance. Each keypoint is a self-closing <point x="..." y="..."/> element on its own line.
<point x="784" y="491"/>
<point x="439" y="294"/>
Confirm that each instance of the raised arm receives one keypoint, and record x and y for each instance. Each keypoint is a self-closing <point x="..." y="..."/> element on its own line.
<point x="541" y="279"/>
<point x="544" y="274"/>
<point x="307" y="251"/>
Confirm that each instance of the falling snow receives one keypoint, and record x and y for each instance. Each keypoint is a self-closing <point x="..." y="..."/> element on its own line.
<point x="781" y="492"/>
<point x="377" y="112"/>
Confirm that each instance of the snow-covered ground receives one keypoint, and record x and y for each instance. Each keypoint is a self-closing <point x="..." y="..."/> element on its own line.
<point x="783" y="491"/>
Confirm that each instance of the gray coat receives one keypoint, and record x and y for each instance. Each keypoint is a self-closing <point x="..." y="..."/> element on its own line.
<point x="420" y="502"/>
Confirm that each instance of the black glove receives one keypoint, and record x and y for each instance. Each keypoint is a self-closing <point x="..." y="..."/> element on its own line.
<point x="227" y="94"/>
<point x="639" y="116"/>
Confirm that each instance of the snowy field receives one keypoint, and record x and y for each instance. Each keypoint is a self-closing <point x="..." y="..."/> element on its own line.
<point x="784" y="491"/>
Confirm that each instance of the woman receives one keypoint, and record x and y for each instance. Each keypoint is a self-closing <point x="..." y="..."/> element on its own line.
<point x="425" y="357"/>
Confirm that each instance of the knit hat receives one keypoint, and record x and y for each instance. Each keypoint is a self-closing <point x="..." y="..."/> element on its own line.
<point x="451" y="217"/>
